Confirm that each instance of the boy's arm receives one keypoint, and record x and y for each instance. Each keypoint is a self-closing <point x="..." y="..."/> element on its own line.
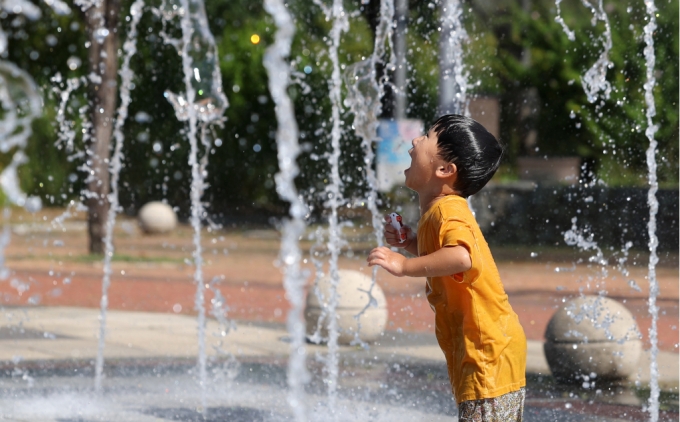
<point x="446" y="261"/>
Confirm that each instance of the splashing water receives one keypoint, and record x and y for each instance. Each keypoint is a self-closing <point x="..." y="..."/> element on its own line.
<point x="576" y="237"/>
<point x="601" y="318"/>
<point x="316" y="253"/>
<point x="559" y="19"/>
<point x="203" y="101"/>
<point x="650" y="59"/>
<point x="337" y="14"/>
<point x="66" y="135"/>
<point x="288" y="150"/>
<point x="201" y="64"/>
<point x="594" y="80"/>
<point x="453" y="77"/>
<point x="364" y="94"/>
<point x="219" y="310"/>
<point x="21" y="103"/>
<point x="130" y="48"/>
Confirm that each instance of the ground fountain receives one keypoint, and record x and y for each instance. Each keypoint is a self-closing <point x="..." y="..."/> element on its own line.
<point x="258" y="371"/>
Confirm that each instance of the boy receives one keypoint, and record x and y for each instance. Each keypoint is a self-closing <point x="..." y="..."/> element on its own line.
<point x="480" y="335"/>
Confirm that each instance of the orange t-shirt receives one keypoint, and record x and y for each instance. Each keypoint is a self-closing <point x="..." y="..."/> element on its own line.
<point x="479" y="333"/>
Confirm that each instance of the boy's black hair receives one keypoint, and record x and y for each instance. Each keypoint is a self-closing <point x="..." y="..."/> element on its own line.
<point x="467" y="144"/>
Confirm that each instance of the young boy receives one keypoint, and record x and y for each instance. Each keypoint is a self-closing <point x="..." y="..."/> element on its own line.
<point x="480" y="335"/>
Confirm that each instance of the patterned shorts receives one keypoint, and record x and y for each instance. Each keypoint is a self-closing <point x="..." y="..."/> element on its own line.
<point x="506" y="408"/>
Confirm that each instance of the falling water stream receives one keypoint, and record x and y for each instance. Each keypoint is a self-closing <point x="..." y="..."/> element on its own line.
<point x="453" y="78"/>
<point x="653" y="207"/>
<point x="336" y="13"/>
<point x="130" y="48"/>
<point x="294" y="279"/>
<point x="202" y="103"/>
<point x="595" y="78"/>
<point x="364" y="98"/>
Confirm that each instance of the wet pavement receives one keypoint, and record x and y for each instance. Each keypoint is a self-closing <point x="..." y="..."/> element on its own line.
<point x="47" y="358"/>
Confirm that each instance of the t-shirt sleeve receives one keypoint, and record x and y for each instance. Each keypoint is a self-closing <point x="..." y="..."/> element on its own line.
<point x="454" y="232"/>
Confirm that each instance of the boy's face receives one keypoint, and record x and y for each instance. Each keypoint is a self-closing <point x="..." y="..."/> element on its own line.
<point x="425" y="161"/>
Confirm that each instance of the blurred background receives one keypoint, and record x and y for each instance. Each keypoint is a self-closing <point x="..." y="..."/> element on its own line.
<point x="566" y="215"/>
<point x="524" y="84"/>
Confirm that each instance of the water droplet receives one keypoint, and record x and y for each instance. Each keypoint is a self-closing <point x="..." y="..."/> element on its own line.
<point x="51" y="40"/>
<point x="101" y="34"/>
<point x="73" y="62"/>
<point x="633" y="285"/>
<point x="143" y="117"/>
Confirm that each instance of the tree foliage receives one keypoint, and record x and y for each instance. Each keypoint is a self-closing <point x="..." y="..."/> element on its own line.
<point x="532" y="51"/>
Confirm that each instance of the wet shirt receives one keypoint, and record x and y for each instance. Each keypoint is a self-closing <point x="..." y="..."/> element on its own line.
<point x="479" y="333"/>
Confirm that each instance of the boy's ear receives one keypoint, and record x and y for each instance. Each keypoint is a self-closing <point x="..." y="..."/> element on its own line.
<point x="447" y="170"/>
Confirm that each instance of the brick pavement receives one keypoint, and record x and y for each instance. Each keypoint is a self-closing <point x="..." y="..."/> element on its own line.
<point x="157" y="278"/>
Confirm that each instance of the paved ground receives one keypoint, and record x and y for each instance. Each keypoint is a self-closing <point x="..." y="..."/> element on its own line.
<point x="53" y="290"/>
<point x="47" y="355"/>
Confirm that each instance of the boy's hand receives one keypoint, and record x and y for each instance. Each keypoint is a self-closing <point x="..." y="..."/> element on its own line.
<point x="392" y="235"/>
<point x="390" y="261"/>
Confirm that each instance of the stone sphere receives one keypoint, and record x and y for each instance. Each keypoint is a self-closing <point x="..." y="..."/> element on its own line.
<point x="592" y="337"/>
<point x="157" y="217"/>
<point x="352" y="298"/>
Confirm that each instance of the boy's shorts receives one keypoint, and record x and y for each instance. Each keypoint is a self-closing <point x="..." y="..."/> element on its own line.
<point x="506" y="408"/>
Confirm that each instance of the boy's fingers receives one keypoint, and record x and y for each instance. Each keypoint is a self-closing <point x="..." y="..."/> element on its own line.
<point x="376" y="254"/>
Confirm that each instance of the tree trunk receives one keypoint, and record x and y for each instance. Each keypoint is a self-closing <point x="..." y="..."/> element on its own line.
<point x="102" y="31"/>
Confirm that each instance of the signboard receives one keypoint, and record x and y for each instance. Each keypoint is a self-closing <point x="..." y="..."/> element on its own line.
<point x="392" y="152"/>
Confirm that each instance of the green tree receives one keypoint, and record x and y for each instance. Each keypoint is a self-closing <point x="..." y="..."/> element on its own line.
<point x="532" y="51"/>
